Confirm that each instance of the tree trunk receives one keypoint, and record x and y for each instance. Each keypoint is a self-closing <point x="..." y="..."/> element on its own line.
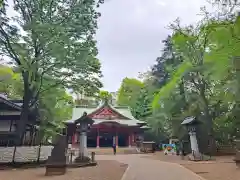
<point x="21" y="125"/>
<point x="209" y="120"/>
<point x="182" y="93"/>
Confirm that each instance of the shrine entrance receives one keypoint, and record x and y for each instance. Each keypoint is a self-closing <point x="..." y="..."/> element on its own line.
<point x="122" y="139"/>
<point x="92" y="139"/>
<point x="106" y="139"/>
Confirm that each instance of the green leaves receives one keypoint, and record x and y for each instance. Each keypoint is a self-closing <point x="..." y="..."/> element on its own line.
<point x="104" y="96"/>
<point x="129" y="92"/>
<point x="10" y="83"/>
<point x="5" y="73"/>
<point x="58" y="42"/>
<point x="171" y="85"/>
<point x="142" y="108"/>
<point x="55" y="49"/>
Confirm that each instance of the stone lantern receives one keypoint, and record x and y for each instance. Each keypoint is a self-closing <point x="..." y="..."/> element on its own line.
<point x="191" y="124"/>
<point x="84" y="122"/>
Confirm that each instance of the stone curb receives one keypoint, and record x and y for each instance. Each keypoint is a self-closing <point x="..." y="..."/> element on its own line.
<point x="125" y="173"/>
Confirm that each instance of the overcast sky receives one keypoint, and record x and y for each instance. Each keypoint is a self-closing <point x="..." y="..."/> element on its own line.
<point x="130" y="34"/>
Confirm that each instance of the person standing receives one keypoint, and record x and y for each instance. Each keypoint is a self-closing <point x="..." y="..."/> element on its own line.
<point x="114" y="148"/>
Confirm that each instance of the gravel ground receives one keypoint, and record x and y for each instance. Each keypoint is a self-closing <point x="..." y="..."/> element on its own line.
<point x="105" y="170"/>
<point x="222" y="168"/>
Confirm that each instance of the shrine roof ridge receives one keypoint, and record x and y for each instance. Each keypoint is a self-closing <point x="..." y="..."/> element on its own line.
<point x="121" y="107"/>
<point x="86" y="106"/>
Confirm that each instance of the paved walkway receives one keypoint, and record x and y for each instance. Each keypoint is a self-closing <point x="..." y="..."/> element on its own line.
<point x="140" y="168"/>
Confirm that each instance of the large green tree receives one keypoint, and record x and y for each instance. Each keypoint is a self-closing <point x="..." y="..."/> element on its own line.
<point x="53" y="40"/>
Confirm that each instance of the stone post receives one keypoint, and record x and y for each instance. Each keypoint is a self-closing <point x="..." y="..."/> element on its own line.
<point x="191" y="124"/>
<point x="83" y="144"/>
<point x="194" y="143"/>
<point x="83" y="140"/>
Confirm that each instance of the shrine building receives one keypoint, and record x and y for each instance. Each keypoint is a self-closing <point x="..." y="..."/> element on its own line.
<point x="10" y="111"/>
<point x="110" y="125"/>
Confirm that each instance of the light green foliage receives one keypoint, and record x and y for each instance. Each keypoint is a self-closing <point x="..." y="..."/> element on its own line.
<point x="55" y="108"/>
<point x="129" y="92"/>
<point x="104" y="95"/>
<point x="165" y="91"/>
<point x="10" y="83"/>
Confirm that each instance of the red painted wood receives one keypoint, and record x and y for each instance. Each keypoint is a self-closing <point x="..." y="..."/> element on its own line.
<point x="133" y="138"/>
<point x="116" y="140"/>
<point x="114" y="130"/>
<point x="105" y="113"/>
<point x="129" y="140"/>
<point x="98" y="140"/>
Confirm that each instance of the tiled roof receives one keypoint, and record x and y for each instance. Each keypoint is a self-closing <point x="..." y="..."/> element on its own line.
<point x="124" y="111"/>
<point x="12" y="103"/>
<point x="188" y="120"/>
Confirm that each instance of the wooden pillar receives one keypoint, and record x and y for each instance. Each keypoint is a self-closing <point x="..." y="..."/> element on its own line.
<point x="97" y="138"/>
<point x="130" y="140"/>
<point x="133" y="138"/>
<point x="116" y="138"/>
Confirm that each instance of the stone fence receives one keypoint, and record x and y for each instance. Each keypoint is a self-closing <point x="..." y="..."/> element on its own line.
<point x="25" y="153"/>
